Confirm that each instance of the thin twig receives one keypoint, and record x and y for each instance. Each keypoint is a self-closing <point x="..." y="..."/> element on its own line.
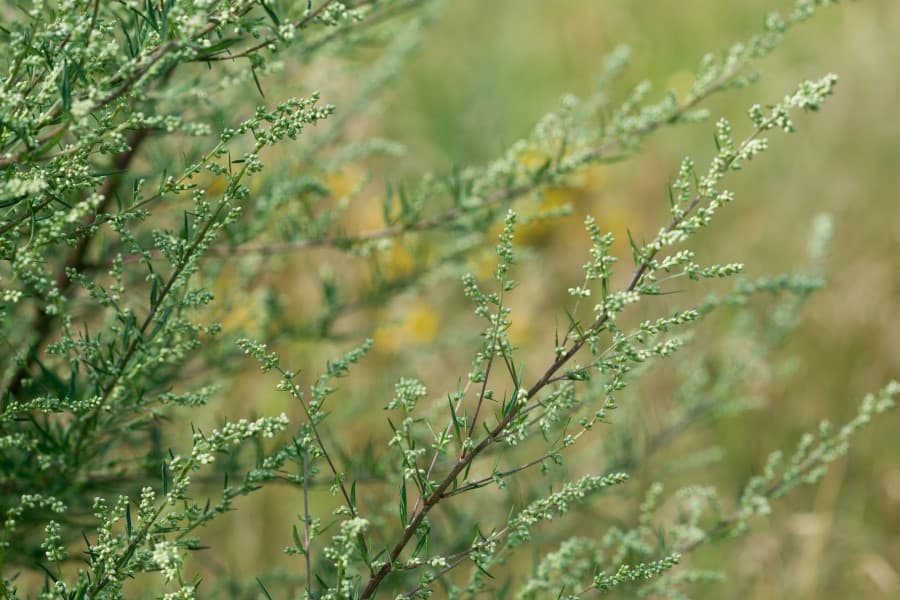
<point x="338" y="476"/>
<point x="307" y="540"/>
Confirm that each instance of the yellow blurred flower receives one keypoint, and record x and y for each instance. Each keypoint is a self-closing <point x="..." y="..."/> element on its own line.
<point x="345" y="181"/>
<point x="592" y="178"/>
<point x="532" y="159"/>
<point x="234" y="308"/>
<point x="483" y="263"/>
<point x="239" y="315"/>
<point x="418" y="326"/>
<point x="520" y="330"/>
<point x="421" y="324"/>
<point x="541" y="221"/>
<point x="396" y="262"/>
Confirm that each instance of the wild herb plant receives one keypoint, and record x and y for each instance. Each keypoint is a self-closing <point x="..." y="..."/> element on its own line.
<point x="137" y="173"/>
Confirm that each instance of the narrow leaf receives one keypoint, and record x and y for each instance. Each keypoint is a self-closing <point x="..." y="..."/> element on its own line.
<point x="403" y="515"/>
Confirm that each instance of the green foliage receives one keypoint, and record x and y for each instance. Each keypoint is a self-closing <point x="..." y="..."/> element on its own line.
<point x="146" y="154"/>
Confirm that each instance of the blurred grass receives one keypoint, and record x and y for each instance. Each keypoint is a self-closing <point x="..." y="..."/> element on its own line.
<point x="487" y="71"/>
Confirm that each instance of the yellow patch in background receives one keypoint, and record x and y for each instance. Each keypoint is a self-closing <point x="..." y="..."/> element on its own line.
<point x="418" y="326"/>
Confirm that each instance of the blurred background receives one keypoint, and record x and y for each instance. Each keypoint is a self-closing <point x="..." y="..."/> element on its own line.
<point x="482" y="75"/>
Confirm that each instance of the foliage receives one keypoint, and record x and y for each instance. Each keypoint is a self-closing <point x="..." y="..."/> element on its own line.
<point x="136" y="180"/>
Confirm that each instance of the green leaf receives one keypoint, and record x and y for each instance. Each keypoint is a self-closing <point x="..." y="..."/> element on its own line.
<point x="270" y="12"/>
<point x="12" y="201"/>
<point x="509" y="405"/>
<point x="480" y="568"/>
<point x="295" y="533"/>
<point x="151" y="16"/>
<point x="538" y="173"/>
<point x="403" y="514"/>
<point x="457" y="429"/>
<point x="421" y="546"/>
<point x="215" y="49"/>
<point x="635" y="251"/>
<point x="154" y="292"/>
<point x="51" y="378"/>
<point x="263" y="588"/>
<point x="387" y="205"/>
<point x="256" y="81"/>
<point x="65" y="86"/>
